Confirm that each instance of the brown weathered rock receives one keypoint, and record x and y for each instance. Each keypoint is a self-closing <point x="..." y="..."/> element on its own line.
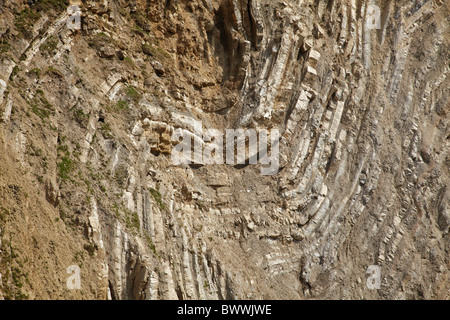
<point x="363" y="178"/>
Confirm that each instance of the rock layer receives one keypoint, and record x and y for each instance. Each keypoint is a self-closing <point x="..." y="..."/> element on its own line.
<point x="87" y="120"/>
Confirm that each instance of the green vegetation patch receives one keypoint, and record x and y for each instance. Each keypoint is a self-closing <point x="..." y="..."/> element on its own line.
<point x="47" y="5"/>
<point x="157" y="196"/>
<point x="65" y="167"/>
<point x="41" y="106"/>
<point x="25" y="20"/>
<point x="51" y="71"/>
<point x="99" y="40"/>
<point x="49" y="46"/>
<point x="14" y="73"/>
<point x="156" y="52"/>
<point x="36" y="72"/>
<point x="90" y="248"/>
<point x="80" y="117"/>
<point x="105" y="129"/>
<point x="151" y="245"/>
<point x="133" y="94"/>
<point x="4" y="46"/>
<point x="132" y="220"/>
<point x="119" y="106"/>
<point x="13" y="275"/>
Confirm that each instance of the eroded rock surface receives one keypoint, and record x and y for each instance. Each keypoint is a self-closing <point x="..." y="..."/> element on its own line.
<point x="86" y="175"/>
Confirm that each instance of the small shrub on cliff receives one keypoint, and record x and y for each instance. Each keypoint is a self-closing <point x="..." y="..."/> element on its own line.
<point x="157" y="196"/>
<point x="49" y="46"/>
<point x="133" y="94"/>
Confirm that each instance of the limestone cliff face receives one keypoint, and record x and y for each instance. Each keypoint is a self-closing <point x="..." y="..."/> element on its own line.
<point x="87" y="179"/>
